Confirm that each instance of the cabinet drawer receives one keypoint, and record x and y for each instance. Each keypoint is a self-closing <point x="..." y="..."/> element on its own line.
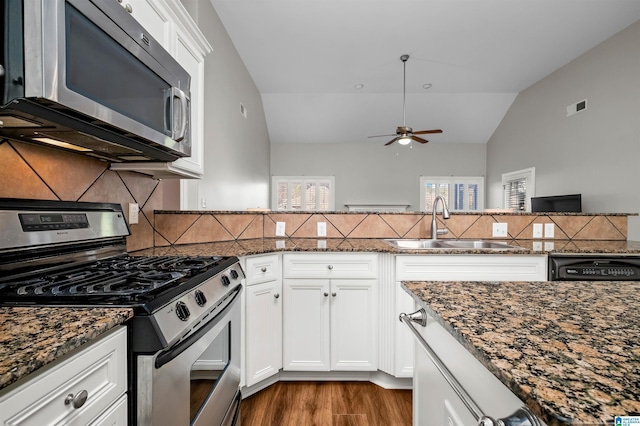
<point x="473" y="267"/>
<point x="99" y="369"/>
<point x="261" y="269"/>
<point x="335" y="265"/>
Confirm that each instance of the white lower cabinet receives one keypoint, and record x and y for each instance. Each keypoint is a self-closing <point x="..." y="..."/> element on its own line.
<point x="263" y="318"/>
<point x="330" y="322"/>
<point x="86" y="388"/>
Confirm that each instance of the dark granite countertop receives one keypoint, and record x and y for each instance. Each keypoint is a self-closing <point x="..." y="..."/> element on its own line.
<point x="269" y="245"/>
<point x="569" y="350"/>
<point x="33" y="337"/>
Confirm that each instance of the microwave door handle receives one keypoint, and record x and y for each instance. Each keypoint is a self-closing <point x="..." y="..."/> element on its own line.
<point x="179" y="94"/>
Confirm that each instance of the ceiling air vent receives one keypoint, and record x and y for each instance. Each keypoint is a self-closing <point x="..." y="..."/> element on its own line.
<point x="576" y="108"/>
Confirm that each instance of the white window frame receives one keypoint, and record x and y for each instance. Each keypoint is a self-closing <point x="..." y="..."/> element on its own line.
<point x="451" y="181"/>
<point x="304" y="180"/>
<point x="529" y="175"/>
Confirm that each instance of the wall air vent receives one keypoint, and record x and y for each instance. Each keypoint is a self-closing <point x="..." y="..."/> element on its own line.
<point x="577" y="107"/>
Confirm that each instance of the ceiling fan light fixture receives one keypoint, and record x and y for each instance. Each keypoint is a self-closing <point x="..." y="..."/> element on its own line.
<point x="404" y="140"/>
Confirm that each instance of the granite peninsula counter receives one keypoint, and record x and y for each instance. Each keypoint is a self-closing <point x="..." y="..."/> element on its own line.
<point x="569" y="350"/>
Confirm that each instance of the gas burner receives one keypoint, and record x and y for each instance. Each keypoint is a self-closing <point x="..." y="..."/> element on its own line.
<point x="121" y="279"/>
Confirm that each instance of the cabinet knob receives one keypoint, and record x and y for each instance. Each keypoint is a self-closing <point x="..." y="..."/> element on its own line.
<point x="326" y="294"/>
<point x="330" y="267"/>
<point x="276" y="295"/>
<point x="334" y="294"/>
<point x="128" y="8"/>
<point x="263" y="269"/>
<point x="77" y="400"/>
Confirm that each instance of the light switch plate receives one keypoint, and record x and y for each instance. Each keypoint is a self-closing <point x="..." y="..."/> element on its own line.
<point x="133" y="213"/>
<point x="537" y="230"/>
<point x="280" y="229"/>
<point x="549" y="230"/>
<point x="322" y="229"/>
<point x="500" y="230"/>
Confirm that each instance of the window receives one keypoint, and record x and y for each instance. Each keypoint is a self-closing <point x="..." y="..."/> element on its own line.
<point x="303" y="193"/>
<point x="518" y="187"/>
<point x="460" y="193"/>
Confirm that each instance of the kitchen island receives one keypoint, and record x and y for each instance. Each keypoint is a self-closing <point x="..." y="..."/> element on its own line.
<point x="569" y="350"/>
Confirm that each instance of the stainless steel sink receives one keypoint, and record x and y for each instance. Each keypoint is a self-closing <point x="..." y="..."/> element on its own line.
<point x="415" y="244"/>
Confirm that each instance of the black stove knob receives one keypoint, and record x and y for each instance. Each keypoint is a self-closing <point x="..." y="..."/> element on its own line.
<point x="234" y="274"/>
<point x="201" y="300"/>
<point x="182" y="311"/>
<point x="225" y="280"/>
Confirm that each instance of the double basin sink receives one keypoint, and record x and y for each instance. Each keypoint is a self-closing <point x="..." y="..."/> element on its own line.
<point x="446" y="244"/>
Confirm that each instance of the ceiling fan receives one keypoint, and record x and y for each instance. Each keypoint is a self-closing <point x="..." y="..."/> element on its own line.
<point x="404" y="133"/>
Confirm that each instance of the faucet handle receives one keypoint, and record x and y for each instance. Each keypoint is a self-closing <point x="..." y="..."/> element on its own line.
<point x="442" y="231"/>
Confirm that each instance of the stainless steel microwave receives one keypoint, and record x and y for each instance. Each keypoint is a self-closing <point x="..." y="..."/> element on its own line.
<point x="84" y="75"/>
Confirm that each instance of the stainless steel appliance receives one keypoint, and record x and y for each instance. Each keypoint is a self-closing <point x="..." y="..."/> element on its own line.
<point x="83" y="75"/>
<point x="184" y="338"/>
<point x="601" y="267"/>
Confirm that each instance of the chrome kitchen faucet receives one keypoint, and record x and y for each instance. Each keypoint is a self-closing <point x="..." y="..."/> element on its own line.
<point x="445" y="215"/>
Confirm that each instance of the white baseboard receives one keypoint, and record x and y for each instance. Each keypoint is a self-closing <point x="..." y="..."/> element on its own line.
<point x="379" y="378"/>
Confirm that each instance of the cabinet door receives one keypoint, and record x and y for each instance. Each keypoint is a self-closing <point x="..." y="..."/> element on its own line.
<point x="153" y="17"/>
<point x="306" y="325"/>
<point x="354" y="331"/>
<point x="404" y="338"/>
<point x="263" y="331"/>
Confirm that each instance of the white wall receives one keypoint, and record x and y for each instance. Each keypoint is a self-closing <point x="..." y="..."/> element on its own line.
<point x="372" y="173"/>
<point x="236" y="150"/>
<point x="595" y="152"/>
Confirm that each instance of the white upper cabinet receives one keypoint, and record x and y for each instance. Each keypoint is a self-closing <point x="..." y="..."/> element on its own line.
<point x="169" y="23"/>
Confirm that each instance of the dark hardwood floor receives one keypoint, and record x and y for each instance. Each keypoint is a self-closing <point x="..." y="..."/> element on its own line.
<point x="327" y="404"/>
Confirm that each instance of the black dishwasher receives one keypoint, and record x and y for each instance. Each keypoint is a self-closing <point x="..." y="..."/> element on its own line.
<point x="599" y="267"/>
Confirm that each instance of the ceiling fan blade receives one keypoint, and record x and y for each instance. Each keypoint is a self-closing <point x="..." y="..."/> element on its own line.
<point x="378" y="136"/>
<point x="418" y="139"/>
<point x="424" y="132"/>
<point x="392" y="141"/>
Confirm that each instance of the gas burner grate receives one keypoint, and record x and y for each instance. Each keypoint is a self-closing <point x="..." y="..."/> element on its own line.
<point x="123" y="278"/>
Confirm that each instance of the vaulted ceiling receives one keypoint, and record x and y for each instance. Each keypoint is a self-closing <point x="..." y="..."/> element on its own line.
<point x="307" y="58"/>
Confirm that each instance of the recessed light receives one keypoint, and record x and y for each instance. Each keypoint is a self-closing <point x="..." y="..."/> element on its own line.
<point x="427" y="86"/>
<point x="358" y="86"/>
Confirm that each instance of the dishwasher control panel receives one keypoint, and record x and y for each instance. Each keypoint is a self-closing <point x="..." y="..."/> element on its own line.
<point x="594" y="268"/>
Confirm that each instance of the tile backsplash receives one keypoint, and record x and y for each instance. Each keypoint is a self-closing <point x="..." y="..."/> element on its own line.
<point x="199" y="227"/>
<point x="30" y="171"/>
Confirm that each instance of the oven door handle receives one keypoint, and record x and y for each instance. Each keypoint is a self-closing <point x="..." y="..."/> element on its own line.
<point x="174" y="351"/>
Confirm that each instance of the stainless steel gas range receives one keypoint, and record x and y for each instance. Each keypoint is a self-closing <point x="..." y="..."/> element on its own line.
<point x="184" y="338"/>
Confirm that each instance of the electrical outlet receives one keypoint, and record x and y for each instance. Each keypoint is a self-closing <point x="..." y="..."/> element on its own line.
<point x="322" y="229"/>
<point x="549" y="230"/>
<point x="500" y="230"/>
<point x="280" y="229"/>
<point x="537" y="230"/>
<point x="133" y="213"/>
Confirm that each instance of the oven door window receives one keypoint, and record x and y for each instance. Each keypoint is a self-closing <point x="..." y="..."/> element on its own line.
<point x="208" y="369"/>
<point x="114" y="77"/>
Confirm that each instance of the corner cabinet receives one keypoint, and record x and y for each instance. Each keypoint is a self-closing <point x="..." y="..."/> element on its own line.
<point x="169" y="24"/>
<point x="330" y="312"/>
<point x="86" y="388"/>
<point x="263" y="318"/>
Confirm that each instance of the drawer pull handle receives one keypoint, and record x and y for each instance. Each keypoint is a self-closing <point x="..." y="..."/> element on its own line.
<point x="264" y="269"/>
<point x="330" y="267"/>
<point x="523" y="416"/>
<point x="77" y="400"/>
<point x="276" y="295"/>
